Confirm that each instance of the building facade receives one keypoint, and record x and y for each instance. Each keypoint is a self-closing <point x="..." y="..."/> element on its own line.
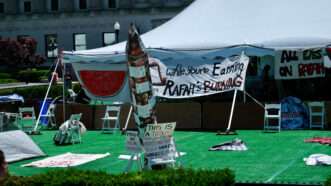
<point x="81" y="24"/>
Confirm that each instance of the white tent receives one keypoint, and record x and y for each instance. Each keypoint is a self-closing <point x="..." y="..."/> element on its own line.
<point x="225" y="27"/>
<point x="207" y="24"/>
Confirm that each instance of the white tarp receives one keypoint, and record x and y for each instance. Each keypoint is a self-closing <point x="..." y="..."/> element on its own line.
<point x="18" y="146"/>
<point x="299" y="64"/>
<point x="66" y="160"/>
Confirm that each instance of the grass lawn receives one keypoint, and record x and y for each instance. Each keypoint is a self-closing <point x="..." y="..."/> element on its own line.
<point x="270" y="158"/>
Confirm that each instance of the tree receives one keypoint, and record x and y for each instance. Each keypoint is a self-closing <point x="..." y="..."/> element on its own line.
<point x="21" y="53"/>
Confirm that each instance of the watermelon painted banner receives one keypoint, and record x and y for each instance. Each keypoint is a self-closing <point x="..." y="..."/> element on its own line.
<point x="103" y="83"/>
<point x="174" y="75"/>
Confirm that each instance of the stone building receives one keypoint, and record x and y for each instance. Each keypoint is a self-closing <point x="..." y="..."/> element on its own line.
<point x="81" y="24"/>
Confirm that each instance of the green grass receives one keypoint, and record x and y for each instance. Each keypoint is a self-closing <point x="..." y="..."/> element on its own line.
<point x="271" y="157"/>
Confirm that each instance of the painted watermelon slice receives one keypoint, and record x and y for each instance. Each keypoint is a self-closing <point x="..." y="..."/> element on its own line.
<point x="101" y="82"/>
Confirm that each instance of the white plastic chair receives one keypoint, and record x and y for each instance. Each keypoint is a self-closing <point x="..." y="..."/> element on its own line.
<point x="74" y="128"/>
<point x="316" y="114"/>
<point x="27" y="118"/>
<point x="111" y="117"/>
<point x="272" y="112"/>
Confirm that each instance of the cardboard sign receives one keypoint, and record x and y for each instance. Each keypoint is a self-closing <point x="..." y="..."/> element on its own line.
<point x="299" y="64"/>
<point x="159" y="130"/>
<point x="160" y="148"/>
<point x="158" y="141"/>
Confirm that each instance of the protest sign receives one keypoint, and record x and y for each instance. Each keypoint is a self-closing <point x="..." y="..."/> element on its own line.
<point x="299" y="64"/>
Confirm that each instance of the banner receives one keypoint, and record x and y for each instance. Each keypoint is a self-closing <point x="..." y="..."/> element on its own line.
<point x="174" y="74"/>
<point x="194" y="76"/>
<point x="140" y="82"/>
<point x="66" y="160"/>
<point x="299" y="64"/>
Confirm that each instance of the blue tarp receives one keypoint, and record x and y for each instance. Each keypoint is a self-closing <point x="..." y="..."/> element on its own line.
<point x="11" y="98"/>
<point x="294" y="113"/>
<point x="43" y="118"/>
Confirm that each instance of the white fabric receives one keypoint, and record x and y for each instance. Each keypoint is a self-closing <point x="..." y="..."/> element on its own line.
<point x="17" y="145"/>
<point x="65" y="126"/>
<point x="66" y="160"/>
<point x="318" y="159"/>
<point x="223" y="23"/>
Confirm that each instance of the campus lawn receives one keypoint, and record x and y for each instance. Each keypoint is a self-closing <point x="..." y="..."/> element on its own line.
<point x="270" y="158"/>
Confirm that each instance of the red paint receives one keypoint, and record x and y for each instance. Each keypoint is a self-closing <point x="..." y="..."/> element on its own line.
<point x="101" y="82"/>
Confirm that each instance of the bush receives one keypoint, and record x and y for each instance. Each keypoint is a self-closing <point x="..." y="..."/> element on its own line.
<point x="5" y="76"/>
<point x="2" y="81"/>
<point x="328" y="181"/>
<point x="37" y="92"/>
<point x="32" y="75"/>
<point x="74" y="177"/>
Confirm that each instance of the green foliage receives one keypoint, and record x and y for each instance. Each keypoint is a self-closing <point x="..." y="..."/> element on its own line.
<point x="3" y="81"/>
<point x="186" y="177"/>
<point x="32" y="75"/>
<point x="37" y="92"/>
<point x="5" y="76"/>
<point x="21" y="53"/>
<point x="328" y="181"/>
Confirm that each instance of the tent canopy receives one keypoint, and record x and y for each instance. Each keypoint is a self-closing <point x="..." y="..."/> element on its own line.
<point x="208" y="24"/>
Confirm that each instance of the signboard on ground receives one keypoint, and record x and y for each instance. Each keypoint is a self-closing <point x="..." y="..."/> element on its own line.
<point x="158" y="141"/>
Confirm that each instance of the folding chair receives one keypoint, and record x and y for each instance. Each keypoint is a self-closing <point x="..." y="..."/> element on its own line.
<point x="272" y="112"/>
<point x="112" y="115"/>
<point x="74" y="128"/>
<point x="27" y="118"/>
<point x="50" y="115"/>
<point x="133" y="147"/>
<point x="316" y="114"/>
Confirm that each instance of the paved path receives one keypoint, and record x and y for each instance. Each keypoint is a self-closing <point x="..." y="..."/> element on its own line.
<point x="20" y="85"/>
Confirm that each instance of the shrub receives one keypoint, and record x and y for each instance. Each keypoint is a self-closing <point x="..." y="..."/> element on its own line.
<point x="37" y="92"/>
<point x="5" y="76"/>
<point x="328" y="181"/>
<point x="74" y="177"/>
<point x="31" y="75"/>
<point x="2" y="81"/>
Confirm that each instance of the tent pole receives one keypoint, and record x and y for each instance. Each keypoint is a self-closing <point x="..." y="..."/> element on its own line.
<point x="232" y="108"/>
<point x="256" y="101"/>
<point x="63" y="93"/>
<point x="47" y="92"/>
<point x="128" y="119"/>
